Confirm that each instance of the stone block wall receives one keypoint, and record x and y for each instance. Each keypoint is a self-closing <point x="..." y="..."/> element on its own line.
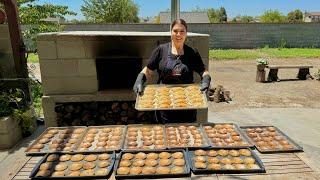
<point x="7" y="69"/>
<point x="68" y="69"/>
<point x="226" y="36"/>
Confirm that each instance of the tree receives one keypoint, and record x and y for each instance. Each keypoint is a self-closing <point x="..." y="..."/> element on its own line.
<point x="295" y="16"/>
<point x="110" y="11"/>
<point x="217" y="15"/>
<point x="33" y="15"/>
<point x="272" y="16"/>
<point x="243" y="19"/>
<point x="222" y="15"/>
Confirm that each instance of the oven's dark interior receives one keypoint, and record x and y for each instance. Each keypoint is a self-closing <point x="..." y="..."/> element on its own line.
<point x="117" y="72"/>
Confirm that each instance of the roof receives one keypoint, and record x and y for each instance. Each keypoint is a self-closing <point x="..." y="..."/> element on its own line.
<point x="189" y="17"/>
<point x="313" y="13"/>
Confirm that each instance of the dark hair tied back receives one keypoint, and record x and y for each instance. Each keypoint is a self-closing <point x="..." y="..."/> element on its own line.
<point x="179" y="21"/>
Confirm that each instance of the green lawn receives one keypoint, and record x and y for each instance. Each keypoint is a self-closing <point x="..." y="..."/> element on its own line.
<point x="33" y="58"/>
<point x="219" y="54"/>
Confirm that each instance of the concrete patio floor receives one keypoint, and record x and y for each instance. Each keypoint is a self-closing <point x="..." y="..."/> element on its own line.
<point x="301" y="124"/>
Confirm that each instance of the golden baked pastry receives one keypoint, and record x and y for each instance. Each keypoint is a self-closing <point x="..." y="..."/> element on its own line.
<point x="234" y="153"/>
<point x="89" y="165"/>
<point x="127" y="156"/>
<point x="228" y="167"/>
<point x="52" y="157"/>
<point x="179" y="162"/>
<point x="103" y="156"/>
<point x="93" y="131"/>
<point x="45" y="166"/>
<point x="125" y="163"/>
<point x="38" y="146"/>
<point x="200" y="152"/>
<point x="135" y="170"/>
<point x="225" y="161"/>
<point x="88" y="172"/>
<point x="57" y="174"/>
<point x="163" y="170"/>
<point x="252" y="166"/>
<point x="223" y="152"/>
<point x="103" y="164"/>
<point x="214" y="166"/>
<point x="249" y="160"/>
<point x="151" y="162"/>
<point x="236" y="160"/>
<point x="123" y="170"/>
<point x="75" y="166"/>
<point x="74" y="173"/>
<point x="152" y="156"/>
<point x="212" y="153"/>
<point x="44" y="173"/>
<point x="148" y="170"/>
<point x="65" y="157"/>
<point x="177" y="170"/>
<point x="91" y="158"/>
<point x="213" y="160"/>
<point x="177" y="155"/>
<point x="61" y="167"/>
<point x="101" y="172"/>
<point x="138" y="163"/>
<point x="165" y="162"/>
<point x="240" y="166"/>
<point x="44" y="140"/>
<point x="77" y="157"/>
<point x="200" y="159"/>
<point x="245" y="152"/>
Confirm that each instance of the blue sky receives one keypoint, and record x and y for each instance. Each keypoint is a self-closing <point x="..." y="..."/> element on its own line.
<point x="233" y="7"/>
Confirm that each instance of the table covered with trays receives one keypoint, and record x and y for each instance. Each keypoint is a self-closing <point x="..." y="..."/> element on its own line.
<point x="195" y="156"/>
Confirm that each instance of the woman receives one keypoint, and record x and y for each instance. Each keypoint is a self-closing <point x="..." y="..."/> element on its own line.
<point x="175" y="63"/>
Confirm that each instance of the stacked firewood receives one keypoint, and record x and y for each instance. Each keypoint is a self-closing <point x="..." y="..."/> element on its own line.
<point x="100" y="113"/>
<point x="219" y="94"/>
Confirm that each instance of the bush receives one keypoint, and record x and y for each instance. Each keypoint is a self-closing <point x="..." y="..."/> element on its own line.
<point x="5" y="108"/>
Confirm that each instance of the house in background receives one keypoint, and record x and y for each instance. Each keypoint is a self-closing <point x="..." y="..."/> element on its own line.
<point x="189" y="17"/>
<point x="312" y="17"/>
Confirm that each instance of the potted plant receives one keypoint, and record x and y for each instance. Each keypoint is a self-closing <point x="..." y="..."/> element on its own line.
<point x="261" y="63"/>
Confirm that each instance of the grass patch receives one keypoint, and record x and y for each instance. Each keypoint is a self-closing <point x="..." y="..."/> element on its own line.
<point x="291" y="52"/>
<point x="33" y="58"/>
<point x="220" y="54"/>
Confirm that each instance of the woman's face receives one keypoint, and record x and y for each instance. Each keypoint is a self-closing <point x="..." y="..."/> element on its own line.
<point x="178" y="34"/>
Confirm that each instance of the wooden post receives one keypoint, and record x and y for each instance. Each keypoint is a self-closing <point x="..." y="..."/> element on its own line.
<point x="261" y="73"/>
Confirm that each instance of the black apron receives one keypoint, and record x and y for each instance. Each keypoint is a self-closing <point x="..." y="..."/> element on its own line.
<point x="173" y="71"/>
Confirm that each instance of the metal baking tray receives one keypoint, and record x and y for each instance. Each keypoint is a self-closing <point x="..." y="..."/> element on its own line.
<point x="296" y="147"/>
<point x="204" y="106"/>
<point x="190" y="155"/>
<point x="94" y="143"/>
<point x="205" y="140"/>
<point x="139" y="140"/>
<point x="45" y="150"/>
<point x="236" y="128"/>
<point x="43" y="160"/>
<point x="152" y="176"/>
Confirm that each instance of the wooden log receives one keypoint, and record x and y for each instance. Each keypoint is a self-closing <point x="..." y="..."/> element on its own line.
<point x="261" y="73"/>
<point x="273" y="75"/>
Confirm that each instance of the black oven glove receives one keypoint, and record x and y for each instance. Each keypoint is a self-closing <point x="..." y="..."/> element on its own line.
<point x="138" y="85"/>
<point x="205" y="82"/>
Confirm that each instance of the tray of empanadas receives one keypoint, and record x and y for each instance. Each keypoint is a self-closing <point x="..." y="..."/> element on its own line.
<point x="171" y="97"/>
<point x="152" y="164"/>
<point x="87" y="165"/>
<point x="56" y="139"/>
<point x="185" y="135"/>
<point x="269" y="139"/>
<point x="225" y="135"/>
<point x="102" y="138"/>
<point x="140" y="136"/>
<point x="216" y="160"/>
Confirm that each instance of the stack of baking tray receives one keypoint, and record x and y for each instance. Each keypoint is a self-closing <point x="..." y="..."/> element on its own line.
<point x="225" y="135"/>
<point x="90" y="165"/>
<point x="152" y="164"/>
<point x="184" y="135"/>
<point x="171" y="97"/>
<point x="102" y="138"/>
<point x="57" y="139"/>
<point x="269" y="139"/>
<point x="217" y="160"/>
